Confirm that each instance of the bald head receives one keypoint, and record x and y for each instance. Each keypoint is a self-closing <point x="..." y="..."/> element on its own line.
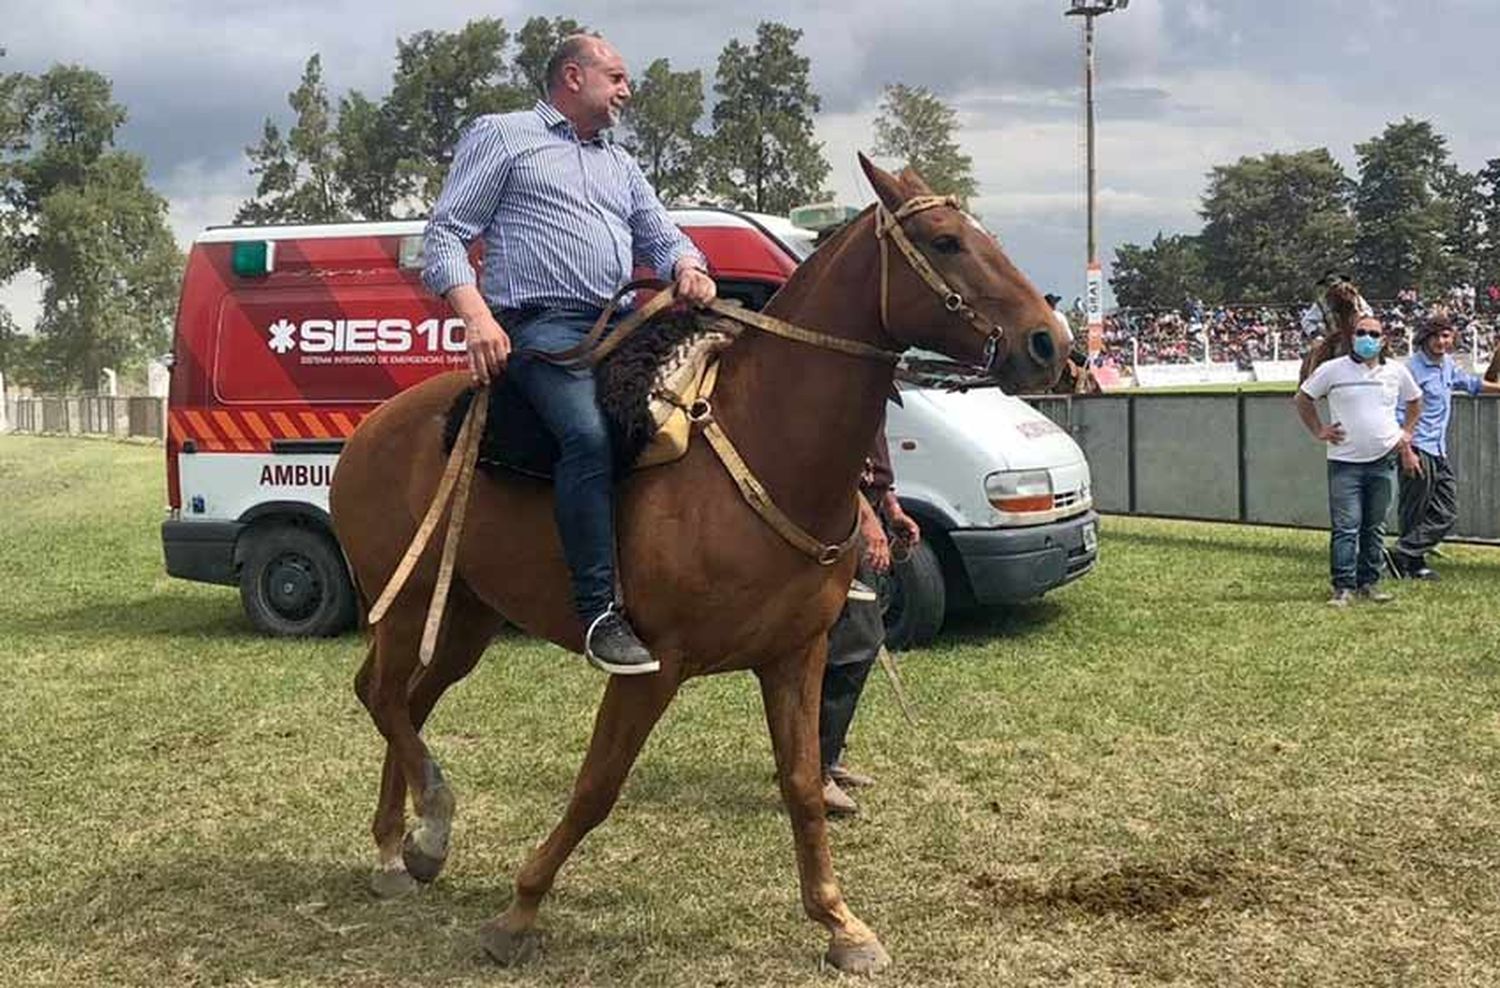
<point x="582" y="50"/>
<point x="588" y="84"/>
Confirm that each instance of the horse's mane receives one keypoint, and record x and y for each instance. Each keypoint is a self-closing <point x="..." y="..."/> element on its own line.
<point x="829" y="243"/>
<point x="1343" y="301"/>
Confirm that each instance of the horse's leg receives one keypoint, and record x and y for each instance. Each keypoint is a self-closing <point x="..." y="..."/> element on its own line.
<point x="400" y="695"/>
<point x="390" y="878"/>
<point x="630" y="709"/>
<point x="791" y="689"/>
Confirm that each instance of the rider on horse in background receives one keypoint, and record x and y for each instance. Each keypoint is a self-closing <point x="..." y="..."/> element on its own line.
<point x="564" y="213"/>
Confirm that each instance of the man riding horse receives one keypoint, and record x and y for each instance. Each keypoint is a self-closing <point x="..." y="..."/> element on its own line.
<point x="736" y="556"/>
<point x="563" y="212"/>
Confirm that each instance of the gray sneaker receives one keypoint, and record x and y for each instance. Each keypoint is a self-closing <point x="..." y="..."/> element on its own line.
<point x="1341" y="598"/>
<point x="611" y="645"/>
<point x="1374" y="595"/>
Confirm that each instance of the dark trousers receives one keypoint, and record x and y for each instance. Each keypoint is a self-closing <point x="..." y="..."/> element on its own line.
<point x="1359" y="495"/>
<point x="583" y="478"/>
<point x="1428" y="508"/>
<point x="854" y="642"/>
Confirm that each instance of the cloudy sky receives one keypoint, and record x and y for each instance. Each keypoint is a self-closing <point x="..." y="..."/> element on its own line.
<point x="1184" y="85"/>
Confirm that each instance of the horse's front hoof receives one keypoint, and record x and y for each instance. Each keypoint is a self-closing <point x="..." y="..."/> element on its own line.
<point x="422" y="865"/>
<point x="392" y="883"/>
<point x="507" y="948"/>
<point x="858" y="958"/>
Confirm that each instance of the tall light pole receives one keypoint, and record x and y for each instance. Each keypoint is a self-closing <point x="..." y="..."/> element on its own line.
<point x="1094" y="292"/>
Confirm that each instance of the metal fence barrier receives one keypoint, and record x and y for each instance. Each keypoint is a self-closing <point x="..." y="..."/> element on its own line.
<point x="1246" y="458"/>
<point x="88" y="415"/>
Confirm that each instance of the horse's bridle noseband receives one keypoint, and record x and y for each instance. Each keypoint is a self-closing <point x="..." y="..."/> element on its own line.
<point x="888" y="227"/>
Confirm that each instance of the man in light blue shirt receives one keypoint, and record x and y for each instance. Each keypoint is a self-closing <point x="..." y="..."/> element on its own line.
<point x="1429" y="492"/>
<point x="564" y="213"/>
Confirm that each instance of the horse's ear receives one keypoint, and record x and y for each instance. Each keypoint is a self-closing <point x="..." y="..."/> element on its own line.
<point x="915" y="183"/>
<point x="887" y="186"/>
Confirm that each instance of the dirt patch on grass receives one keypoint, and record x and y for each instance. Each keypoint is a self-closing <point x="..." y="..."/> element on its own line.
<point x="1129" y="890"/>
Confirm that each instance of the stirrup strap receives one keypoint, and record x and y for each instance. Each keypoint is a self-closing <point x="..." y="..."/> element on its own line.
<point x="756" y="495"/>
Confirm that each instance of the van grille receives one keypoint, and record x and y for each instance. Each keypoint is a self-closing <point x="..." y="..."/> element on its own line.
<point x="1066" y="499"/>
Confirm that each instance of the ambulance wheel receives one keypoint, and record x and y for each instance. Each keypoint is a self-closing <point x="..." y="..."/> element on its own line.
<point x="915" y="599"/>
<point x="293" y="583"/>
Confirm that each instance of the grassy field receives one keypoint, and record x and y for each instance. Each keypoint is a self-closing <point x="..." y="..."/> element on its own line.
<point x="1183" y="770"/>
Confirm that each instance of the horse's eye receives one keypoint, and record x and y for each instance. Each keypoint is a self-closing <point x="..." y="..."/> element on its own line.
<point x="947" y="244"/>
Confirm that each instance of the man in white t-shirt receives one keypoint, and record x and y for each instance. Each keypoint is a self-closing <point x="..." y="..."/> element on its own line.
<point x="1364" y="443"/>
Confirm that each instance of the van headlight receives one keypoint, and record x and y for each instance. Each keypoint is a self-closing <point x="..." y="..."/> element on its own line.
<point x="1019" y="490"/>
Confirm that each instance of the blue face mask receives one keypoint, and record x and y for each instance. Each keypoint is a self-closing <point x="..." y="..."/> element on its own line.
<point x="1366" y="347"/>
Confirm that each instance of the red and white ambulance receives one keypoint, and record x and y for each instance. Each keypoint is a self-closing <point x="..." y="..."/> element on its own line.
<point x="287" y="336"/>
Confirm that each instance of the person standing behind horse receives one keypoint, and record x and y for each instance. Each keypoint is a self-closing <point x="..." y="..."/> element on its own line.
<point x="563" y="213"/>
<point x="1364" y="442"/>
<point x="1429" y="492"/>
<point x="856" y="638"/>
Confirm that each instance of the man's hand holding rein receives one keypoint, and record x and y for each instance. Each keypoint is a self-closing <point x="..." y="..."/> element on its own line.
<point x="693" y="282"/>
<point x="486" y="340"/>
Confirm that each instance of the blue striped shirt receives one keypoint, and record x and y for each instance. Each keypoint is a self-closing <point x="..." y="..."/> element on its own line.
<point x="563" y="220"/>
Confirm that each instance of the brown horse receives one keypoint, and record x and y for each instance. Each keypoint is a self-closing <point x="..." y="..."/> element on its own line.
<point x="710" y="586"/>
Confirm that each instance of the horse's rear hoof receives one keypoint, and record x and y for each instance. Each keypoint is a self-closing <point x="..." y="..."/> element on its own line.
<point x="421" y="865"/>
<point x="859" y="958"/>
<point x="392" y="883"/>
<point x="506" y="947"/>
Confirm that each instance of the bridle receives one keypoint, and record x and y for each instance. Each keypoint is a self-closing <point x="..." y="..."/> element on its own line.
<point x="888" y="228"/>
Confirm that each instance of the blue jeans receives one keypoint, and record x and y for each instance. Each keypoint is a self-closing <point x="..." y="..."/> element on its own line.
<point x="1359" y="496"/>
<point x="583" y="478"/>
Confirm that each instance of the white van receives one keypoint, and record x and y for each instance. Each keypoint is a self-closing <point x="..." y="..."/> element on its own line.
<point x="1004" y="500"/>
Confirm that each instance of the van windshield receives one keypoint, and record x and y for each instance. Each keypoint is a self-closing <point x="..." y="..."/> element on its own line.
<point x="800" y="242"/>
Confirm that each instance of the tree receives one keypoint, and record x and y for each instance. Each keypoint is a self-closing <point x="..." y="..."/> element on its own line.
<point x="12" y="345"/>
<point x="1274" y="224"/>
<point x="91" y="227"/>
<point x="381" y="159"/>
<point x="270" y="159"/>
<point x="299" y="175"/>
<point x="369" y="161"/>
<point x="762" y="155"/>
<point x="917" y="127"/>
<point x="1464" y="239"/>
<point x="443" y="80"/>
<point x="660" y="119"/>
<point x="1487" y="250"/>
<point x="1405" y="218"/>
<point x="1161" y="275"/>
<point x="537" y="40"/>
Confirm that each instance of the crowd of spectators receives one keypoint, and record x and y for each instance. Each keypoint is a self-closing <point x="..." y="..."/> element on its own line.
<point x="1243" y="334"/>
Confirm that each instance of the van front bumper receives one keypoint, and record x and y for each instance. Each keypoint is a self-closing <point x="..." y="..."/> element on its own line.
<point x="1005" y="565"/>
<point x="201" y="550"/>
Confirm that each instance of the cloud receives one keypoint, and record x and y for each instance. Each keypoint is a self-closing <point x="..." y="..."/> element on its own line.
<point x="1183" y="85"/>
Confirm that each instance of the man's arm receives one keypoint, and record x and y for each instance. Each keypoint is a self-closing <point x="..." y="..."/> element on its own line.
<point x="470" y="196"/>
<point x="1488" y="385"/>
<point x="1307" y="411"/>
<point x="467" y="203"/>
<point x="659" y="243"/>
